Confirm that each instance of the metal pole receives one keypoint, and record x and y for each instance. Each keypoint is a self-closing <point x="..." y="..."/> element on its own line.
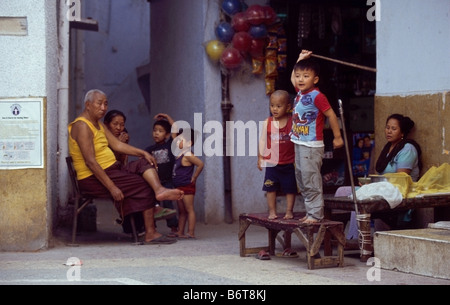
<point x="363" y="220"/>
<point x="63" y="104"/>
<point x="347" y="151"/>
<point x="226" y="109"/>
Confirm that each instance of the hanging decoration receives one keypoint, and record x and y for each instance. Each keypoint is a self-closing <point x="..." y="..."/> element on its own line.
<point x="249" y="33"/>
<point x="231" y="7"/>
<point x="225" y="32"/>
<point x="214" y="49"/>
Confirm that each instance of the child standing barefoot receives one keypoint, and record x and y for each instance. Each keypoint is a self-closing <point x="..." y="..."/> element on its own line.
<point x="276" y="153"/>
<point x="311" y="108"/>
<point x="186" y="170"/>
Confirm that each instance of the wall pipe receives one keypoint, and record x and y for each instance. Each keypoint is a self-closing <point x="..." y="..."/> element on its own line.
<point x="63" y="102"/>
<point x="226" y="107"/>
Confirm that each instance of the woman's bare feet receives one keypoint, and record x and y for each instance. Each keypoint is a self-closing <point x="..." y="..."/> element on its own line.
<point x="168" y="194"/>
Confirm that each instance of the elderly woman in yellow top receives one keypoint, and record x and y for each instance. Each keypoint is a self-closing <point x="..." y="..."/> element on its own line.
<point x="134" y="187"/>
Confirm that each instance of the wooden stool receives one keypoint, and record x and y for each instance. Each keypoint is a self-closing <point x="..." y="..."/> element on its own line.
<point x="324" y="230"/>
<point x="305" y="232"/>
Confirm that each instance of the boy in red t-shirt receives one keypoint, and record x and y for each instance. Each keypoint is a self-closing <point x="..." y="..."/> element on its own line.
<point x="276" y="153"/>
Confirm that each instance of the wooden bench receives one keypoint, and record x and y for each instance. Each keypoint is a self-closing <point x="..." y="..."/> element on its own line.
<point x="312" y="236"/>
<point x="368" y="207"/>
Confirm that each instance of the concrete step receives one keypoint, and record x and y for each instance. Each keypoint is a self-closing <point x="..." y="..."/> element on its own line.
<point x="418" y="251"/>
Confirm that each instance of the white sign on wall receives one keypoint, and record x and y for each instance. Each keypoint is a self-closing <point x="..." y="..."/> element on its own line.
<point x="21" y="133"/>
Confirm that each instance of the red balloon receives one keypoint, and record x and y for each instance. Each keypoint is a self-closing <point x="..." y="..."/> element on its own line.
<point x="231" y="58"/>
<point x="242" y="41"/>
<point x="257" y="47"/>
<point x="270" y="15"/>
<point x="255" y="14"/>
<point x="239" y="22"/>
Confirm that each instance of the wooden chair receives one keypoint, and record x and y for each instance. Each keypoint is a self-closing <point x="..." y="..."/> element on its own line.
<point x="80" y="201"/>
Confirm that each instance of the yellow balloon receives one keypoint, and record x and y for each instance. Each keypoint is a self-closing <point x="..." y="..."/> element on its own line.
<point x="214" y="49"/>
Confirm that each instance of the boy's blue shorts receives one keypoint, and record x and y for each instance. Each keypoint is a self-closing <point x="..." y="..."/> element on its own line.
<point x="280" y="178"/>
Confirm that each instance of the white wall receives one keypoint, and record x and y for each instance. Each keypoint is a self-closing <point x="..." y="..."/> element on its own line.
<point x="414" y="37"/>
<point x="111" y="57"/>
<point x="23" y="60"/>
<point x="177" y="67"/>
<point x="29" y="68"/>
<point x="184" y="81"/>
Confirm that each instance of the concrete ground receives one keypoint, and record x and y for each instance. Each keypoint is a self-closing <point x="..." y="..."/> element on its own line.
<point x="109" y="258"/>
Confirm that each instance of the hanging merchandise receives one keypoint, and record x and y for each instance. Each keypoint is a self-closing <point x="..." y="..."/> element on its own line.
<point x="249" y="32"/>
<point x="322" y="22"/>
<point x="336" y="21"/>
<point x="276" y="55"/>
<point x="258" y="65"/>
<point x="270" y="16"/>
<point x="257" y="49"/>
<point x="258" y="31"/>
<point x="231" y="7"/>
<point x="272" y="54"/>
<point x="240" y="23"/>
<point x="242" y="41"/>
<point x="225" y="32"/>
<point x="304" y="23"/>
<point x="214" y="49"/>
<point x="256" y="14"/>
<point x="231" y="58"/>
<point x="282" y="48"/>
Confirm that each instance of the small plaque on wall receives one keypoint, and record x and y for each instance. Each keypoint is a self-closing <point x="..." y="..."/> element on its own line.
<point x="13" y="26"/>
<point x="21" y="133"/>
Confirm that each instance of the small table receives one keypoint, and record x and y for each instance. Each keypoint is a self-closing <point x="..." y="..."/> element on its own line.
<point x="378" y="204"/>
<point x="324" y="230"/>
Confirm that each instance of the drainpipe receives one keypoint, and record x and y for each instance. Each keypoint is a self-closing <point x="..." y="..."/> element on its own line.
<point x="226" y="110"/>
<point x="63" y="101"/>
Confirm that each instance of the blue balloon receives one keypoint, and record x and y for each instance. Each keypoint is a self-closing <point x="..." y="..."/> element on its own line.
<point x="231" y="7"/>
<point x="224" y="32"/>
<point x="258" y="31"/>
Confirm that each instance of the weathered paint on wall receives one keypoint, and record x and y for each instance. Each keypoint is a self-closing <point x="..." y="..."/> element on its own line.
<point x="430" y="114"/>
<point x="413" y="78"/>
<point x="23" y="202"/>
<point x="24" y="223"/>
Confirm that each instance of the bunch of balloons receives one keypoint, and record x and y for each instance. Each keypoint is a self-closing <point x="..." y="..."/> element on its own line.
<point x="242" y="34"/>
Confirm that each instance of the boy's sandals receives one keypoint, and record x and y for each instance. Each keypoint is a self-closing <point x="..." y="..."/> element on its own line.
<point x="164" y="213"/>
<point x="288" y="253"/>
<point x="263" y="255"/>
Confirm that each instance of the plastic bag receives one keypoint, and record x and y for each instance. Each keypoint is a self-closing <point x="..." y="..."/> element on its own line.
<point x="384" y="189"/>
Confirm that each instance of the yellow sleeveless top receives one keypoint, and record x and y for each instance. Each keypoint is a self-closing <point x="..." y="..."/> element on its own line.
<point x="103" y="154"/>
